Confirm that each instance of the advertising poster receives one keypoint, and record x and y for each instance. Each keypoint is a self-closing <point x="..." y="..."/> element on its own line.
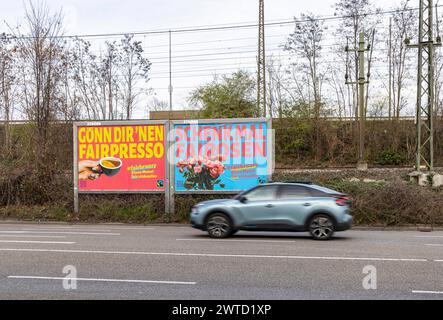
<point x="121" y="157"/>
<point x="220" y="156"/>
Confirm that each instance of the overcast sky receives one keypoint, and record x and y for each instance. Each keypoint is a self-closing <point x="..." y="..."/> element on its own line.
<point x="195" y="55"/>
<point x="104" y="16"/>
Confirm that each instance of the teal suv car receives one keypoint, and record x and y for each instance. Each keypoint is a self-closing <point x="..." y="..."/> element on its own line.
<point x="289" y="206"/>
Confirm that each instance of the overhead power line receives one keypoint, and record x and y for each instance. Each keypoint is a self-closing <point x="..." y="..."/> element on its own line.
<point x="224" y="27"/>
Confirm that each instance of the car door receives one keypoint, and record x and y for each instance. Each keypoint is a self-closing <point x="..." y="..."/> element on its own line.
<point x="259" y="207"/>
<point x="295" y="202"/>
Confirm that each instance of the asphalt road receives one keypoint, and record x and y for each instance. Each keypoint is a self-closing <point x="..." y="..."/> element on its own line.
<point x="170" y="262"/>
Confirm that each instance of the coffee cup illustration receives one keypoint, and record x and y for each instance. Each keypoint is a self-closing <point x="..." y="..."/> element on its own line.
<point x="110" y="166"/>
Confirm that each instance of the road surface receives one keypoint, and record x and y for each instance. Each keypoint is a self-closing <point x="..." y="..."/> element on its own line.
<point x="178" y="262"/>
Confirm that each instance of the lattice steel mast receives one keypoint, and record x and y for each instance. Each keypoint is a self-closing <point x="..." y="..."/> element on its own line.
<point x="425" y="86"/>
<point x="261" y="62"/>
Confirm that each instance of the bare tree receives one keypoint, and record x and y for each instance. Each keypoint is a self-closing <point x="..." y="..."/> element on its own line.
<point x="369" y="63"/>
<point x="134" y="68"/>
<point x="40" y="48"/>
<point x="403" y="27"/>
<point x="109" y="80"/>
<point x="339" y="89"/>
<point x="155" y="104"/>
<point x="8" y="80"/>
<point x="298" y="76"/>
<point x="305" y="42"/>
<point x="356" y="18"/>
<point x="280" y="92"/>
<point x="85" y="76"/>
<point x="109" y="84"/>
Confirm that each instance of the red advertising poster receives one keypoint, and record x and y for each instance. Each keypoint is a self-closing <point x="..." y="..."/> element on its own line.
<point x="121" y="157"/>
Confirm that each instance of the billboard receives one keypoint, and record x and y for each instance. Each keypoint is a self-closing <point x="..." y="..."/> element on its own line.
<point x="221" y="155"/>
<point x="120" y="157"/>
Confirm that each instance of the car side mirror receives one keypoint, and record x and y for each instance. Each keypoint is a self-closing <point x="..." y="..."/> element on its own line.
<point x="243" y="199"/>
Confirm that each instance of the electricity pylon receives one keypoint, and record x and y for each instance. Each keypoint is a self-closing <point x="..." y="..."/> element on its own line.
<point x="261" y="61"/>
<point x="425" y="86"/>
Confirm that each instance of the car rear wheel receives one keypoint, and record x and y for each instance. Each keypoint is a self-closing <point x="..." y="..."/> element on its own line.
<point x="219" y="225"/>
<point x="321" y="227"/>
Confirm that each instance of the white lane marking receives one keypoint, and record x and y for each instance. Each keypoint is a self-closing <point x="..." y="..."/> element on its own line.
<point x="429" y="292"/>
<point x="428" y="236"/>
<point x="79" y="228"/>
<point x="138" y="229"/>
<point x="26" y="236"/>
<point x="215" y="255"/>
<point x="103" y="280"/>
<point x="109" y="228"/>
<point x="64" y="229"/>
<point x="235" y="240"/>
<point x="27" y="241"/>
<point x="434" y="244"/>
<point x="60" y="232"/>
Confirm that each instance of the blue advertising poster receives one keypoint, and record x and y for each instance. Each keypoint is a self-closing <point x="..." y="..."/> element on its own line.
<point x="221" y="157"/>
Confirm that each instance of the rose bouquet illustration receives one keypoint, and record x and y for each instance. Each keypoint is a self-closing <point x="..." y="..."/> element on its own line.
<point x="202" y="173"/>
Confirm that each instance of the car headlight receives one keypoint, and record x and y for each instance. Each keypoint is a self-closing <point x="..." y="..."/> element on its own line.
<point x="194" y="210"/>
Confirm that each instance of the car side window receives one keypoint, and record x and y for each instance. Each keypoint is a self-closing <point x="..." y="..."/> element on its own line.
<point x="294" y="192"/>
<point x="263" y="193"/>
<point x="317" y="193"/>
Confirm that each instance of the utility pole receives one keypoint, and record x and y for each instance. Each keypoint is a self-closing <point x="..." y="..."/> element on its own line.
<point x="170" y="75"/>
<point x="261" y="61"/>
<point x="425" y="87"/>
<point x="362" y="164"/>
<point x="169" y="189"/>
<point x="271" y="92"/>
<point x="390" y="69"/>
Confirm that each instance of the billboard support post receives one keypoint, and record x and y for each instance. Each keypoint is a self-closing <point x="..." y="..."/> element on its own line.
<point x="167" y="172"/>
<point x="78" y="190"/>
<point x="75" y="171"/>
<point x="171" y="167"/>
<point x="271" y="148"/>
<point x="167" y="179"/>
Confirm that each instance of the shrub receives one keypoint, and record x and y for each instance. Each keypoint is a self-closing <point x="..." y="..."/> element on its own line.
<point x="390" y="157"/>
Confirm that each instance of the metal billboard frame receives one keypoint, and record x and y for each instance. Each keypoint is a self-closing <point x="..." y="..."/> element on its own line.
<point x="269" y="151"/>
<point x="78" y="124"/>
<point x="169" y="143"/>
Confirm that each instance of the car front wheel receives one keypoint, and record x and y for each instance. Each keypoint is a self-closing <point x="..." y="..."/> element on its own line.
<point x="219" y="226"/>
<point x="321" y="227"/>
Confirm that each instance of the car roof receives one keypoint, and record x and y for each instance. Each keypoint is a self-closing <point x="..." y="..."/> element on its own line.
<point x="303" y="184"/>
<point x="299" y="183"/>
